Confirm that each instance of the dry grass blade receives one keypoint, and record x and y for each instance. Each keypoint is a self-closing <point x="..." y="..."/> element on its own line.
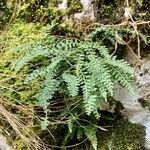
<point x="31" y="140"/>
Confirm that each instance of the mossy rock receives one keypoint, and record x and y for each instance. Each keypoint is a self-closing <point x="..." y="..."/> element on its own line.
<point x="74" y="6"/>
<point x="123" y="136"/>
<point x="112" y="11"/>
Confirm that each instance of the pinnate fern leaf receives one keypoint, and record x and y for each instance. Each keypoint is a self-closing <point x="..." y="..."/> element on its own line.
<point x="90" y="132"/>
<point x="49" y="88"/>
<point x="72" y="84"/>
<point x="41" y="72"/>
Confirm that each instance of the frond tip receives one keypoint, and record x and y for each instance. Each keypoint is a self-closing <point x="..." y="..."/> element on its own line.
<point x="90" y="132"/>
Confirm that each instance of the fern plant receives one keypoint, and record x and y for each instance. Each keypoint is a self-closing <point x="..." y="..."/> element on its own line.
<point x="85" y="67"/>
<point x="108" y="34"/>
<point x="74" y="68"/>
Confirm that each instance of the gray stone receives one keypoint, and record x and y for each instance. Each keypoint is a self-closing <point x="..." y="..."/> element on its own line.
<point x="3" y="144"/>
<point x="133" y="108"/>
<point x="87" y="13"/>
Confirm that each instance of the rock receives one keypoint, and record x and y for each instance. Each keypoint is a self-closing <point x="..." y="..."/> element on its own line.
<point x="87" y="12"/>
<point x="63" y="5"/>
<point x="135" y="112"/>
<point x="3" y="144"/>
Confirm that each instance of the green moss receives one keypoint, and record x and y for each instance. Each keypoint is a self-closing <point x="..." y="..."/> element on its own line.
<point x="74" y="6"/>
<point x="141" y="9"/>
<point x="128" y="136"/>
<point x="12" y="86"/>
<point x="123" y="136"/>
<point x="5" y="13"/>
<point x="20" y="145"/>
<point x="109" y="11"/>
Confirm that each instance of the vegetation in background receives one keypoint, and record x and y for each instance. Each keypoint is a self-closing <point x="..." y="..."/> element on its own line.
<point x="63" y="72"/>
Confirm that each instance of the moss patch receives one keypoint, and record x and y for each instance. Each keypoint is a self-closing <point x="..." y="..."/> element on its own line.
<point x="74" y="6"/>
<point x="123" y="136"/>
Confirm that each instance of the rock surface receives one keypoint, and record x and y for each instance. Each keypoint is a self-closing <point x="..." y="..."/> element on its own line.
<point x="63" y="5"/>
<point x="3" y="144"/>
<point x="134" y="110"/>
<point x="87" y="12"/>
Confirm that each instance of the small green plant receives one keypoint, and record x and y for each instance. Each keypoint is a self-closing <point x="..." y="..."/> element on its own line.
<point x="111" y="35"/>
<point x="76" y="69"/>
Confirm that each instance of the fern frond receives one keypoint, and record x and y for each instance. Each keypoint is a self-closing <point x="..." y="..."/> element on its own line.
<point x="90" y="132"/>
<point x="91" y="63"/>
<point x="29" y="56"/>
<point x="103" y="51"/>
<point x="121" y="64"/>
<point x="102" y="77"/>
<point x="41" y="72"/>
<point x="35" y="74"/>
<point x="90" y="98"/>
<point x="90" y="104"/>
<point x="123" y="79"/>
<point x="105" y="33"/>
<point x="70" y="123"/>
<point x="44" y="123"/>
<point x="72" y="83"/>
<point x="79" y="64"/>
<point x="49" y="87"/>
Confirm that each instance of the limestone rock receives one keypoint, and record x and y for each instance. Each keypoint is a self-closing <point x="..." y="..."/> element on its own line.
<point x="135" y="112"/>
<point x="3" y="144"/>
<point x="88" y="10"/>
